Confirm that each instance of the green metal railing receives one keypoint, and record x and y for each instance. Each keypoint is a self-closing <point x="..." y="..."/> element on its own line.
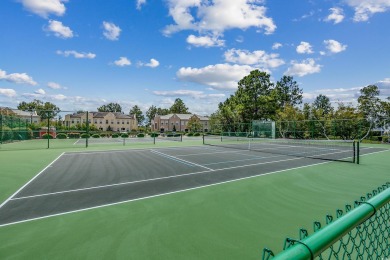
<point x="362" y="233"/>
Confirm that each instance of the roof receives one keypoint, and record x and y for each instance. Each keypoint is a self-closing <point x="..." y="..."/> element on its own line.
<point x="182" y="116"/>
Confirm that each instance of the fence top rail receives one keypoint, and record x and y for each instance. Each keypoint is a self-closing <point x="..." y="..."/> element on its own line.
<point x="313" y="245"/>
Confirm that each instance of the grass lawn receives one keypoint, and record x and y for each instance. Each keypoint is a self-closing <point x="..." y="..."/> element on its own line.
<point x="234" y="220"/>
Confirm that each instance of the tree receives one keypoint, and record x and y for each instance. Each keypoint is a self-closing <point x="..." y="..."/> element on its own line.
<point x="135" y="110"/>
<point x="44" y="110"/>
<point x="288" y="92"/>
<point x="371" y="106"/>
<point x="110" y="107"/>
<point x="254" y="95"/>
<point x="162" y="111"/>
<point x="151" y="113"/>
<point x="347" y="122"/>
<point x="322" y="104"/>
<point x="194" y="124"/>
<point x="178" y="107"/>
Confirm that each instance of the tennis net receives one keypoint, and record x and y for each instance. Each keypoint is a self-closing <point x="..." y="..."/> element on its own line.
<point x="334" y="150"/>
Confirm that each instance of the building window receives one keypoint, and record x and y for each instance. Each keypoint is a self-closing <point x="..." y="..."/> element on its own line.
<point x="101" y="121"/>
<point x="117" y="122"/>
<point x="123" y="122"/>
<point x="112" y="122"/>
<point x="106" y="121"/>
<point x="177" y="122"/>
<point x="95" y="121"/>
<point x="72" y="121"/>
<point x="127" y="122"/>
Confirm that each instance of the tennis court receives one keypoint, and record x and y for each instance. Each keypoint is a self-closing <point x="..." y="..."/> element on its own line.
<point x="78" y="181"/>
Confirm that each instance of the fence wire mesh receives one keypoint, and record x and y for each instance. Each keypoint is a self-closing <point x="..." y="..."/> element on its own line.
<point x="367" y="239"/>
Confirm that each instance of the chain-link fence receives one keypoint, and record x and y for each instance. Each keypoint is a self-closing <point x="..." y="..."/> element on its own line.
<point x="332" y="129"/>
<point x="361" y="233"/>
<point x="72" y="129"/>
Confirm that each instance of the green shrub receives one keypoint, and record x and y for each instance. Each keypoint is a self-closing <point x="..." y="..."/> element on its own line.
<point x="95" y="136"/>
<point x="140" y="135"/>
<point x="124" y="135"/>
<point x="62" y="136"/>
<point x="47" y="136"/>
<point x="84" y="135"/>
<point x="197" y="134"/>
<point x="115" y="135"/>
<point x="154" y="134"/>
<point x="103" y="135"/>
<point x="74" y="135"/>
<point x="385" y="138"/>
<point x="190" y="134"/>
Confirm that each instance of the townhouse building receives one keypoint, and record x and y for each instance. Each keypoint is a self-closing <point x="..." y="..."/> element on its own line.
<point x="178" y="122"/>
<point x="105" y="121"/>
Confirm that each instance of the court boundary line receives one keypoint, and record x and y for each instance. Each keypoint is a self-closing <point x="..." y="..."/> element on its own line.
<point x="158" y="195"/>
<point x="32" y="179"/>
<point x="162" y="194"/>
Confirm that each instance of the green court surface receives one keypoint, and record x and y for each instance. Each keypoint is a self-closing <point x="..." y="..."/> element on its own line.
<point x="233" y="220"/>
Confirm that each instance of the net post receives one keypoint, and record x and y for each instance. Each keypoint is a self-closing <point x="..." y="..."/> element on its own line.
<point x="154" y="139"/>
<point x="354" y="151"/>
<point x="358" y="152"/>
<point x="203" y="138"/>
<point x="181" y="138"/>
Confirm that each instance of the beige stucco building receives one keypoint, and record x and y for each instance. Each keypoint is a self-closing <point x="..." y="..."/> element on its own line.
<point x="177" y="121"/>
<point x="105" y="121"/>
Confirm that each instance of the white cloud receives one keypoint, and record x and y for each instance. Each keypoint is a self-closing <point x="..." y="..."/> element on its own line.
<point x="334" y="46"/>
<point x="336" y="15"/>
<point x="205" y="41"/>
<point x="218" y="16"/>
<point x="384" y="87"/>
<point x="111" y="31"/>
<point x="364" y="9"/>
<point x="153" y="63"/>
<point x="7" y="92"/>
<point x="188" y="93"/>
<point x="77" y="55"/>
<point x="40" y="91"/>
<point x="277" y="45"/>
<point x="123" y="61"/>
<point x="304" y="47"/>
<point x="219" y="76"/>
<point x="44" y="8"/>
<point x="54" y="85"/>
<point x="259" y="57"/>
<point x="59" y="29"/>
<point x="140" y="3"/>
<point x="18" y="78"/>
<point x="303" y="68"/>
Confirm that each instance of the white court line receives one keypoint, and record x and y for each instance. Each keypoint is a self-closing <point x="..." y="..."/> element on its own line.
<point x="179" y="160"/>
<point x="154" y="179"/>
<point x="36" y="176"/>
<point x="159" y="195"/>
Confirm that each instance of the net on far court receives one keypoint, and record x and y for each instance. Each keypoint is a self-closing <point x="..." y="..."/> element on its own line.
<point x="334" y="150"/>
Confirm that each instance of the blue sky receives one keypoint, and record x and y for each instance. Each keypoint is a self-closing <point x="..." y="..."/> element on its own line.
<point x="81" y="54"/>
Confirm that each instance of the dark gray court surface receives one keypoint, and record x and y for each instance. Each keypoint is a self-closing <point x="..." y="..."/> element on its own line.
<point x="80" y="181"/>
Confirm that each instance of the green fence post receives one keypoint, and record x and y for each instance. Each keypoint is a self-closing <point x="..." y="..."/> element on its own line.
<point x="87" y="131"/>
<point x="1" y="128"/>
<point x="358" y="152"/>
<point x="47" y="131"/>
